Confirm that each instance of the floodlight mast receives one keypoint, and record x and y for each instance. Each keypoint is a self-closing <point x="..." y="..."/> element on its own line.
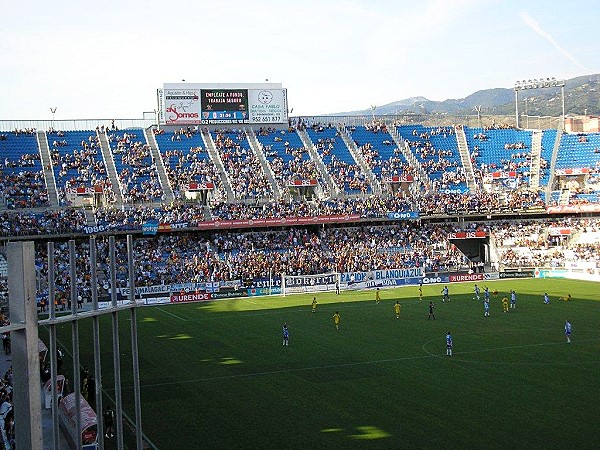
<point x="540" y="83"/>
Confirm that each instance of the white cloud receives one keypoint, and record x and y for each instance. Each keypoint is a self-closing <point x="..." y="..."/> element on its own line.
<point x="535" y="26"/>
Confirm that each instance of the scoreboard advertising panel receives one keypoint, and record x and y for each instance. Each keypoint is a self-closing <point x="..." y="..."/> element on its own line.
<point x="224" y="104"/>
<point x="200" y="104"/>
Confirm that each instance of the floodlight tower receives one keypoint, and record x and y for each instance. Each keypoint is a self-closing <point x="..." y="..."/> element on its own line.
<point x="540" y="83"/>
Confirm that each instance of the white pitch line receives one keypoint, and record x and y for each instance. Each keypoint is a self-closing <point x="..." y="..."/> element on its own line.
<point x="360" y="363"/>
<point x="273" y="372"/>
<point x="443" y="356"/>
<point x="171" y="314"/>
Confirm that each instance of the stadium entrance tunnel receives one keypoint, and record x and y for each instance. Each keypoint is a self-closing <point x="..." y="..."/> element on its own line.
<point x="476" y="249"/>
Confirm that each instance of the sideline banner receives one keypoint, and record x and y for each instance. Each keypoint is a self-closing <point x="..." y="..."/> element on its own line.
<point x="356" y="277"/>
<point x="433" y="279"/>
<point x="521" y="274"/>
<point x="384" y="282"/>
<point x="310" y="283"/>
<point x="191" y="297"/>
<point x="458" y="278"/>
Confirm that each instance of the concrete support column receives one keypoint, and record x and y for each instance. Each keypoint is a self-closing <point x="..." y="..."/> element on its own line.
<point x="26" y="363"/>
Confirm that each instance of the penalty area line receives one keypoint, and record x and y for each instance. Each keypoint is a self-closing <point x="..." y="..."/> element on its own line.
<point x="171" y="314"/>
<point x="274" y="372"/>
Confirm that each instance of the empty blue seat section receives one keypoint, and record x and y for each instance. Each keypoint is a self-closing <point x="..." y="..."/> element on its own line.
<point x="500" y="150"/>
<point x="548" y="140"/>
<point x="578" y="151"/>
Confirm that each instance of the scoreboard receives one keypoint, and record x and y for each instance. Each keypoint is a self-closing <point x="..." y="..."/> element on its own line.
<point x="195" y="104"/>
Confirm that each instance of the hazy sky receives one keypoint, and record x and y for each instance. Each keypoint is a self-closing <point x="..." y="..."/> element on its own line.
<point x="106" y="59"/>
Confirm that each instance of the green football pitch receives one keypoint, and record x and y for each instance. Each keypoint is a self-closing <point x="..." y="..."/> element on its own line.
<point x="216" y="375"/>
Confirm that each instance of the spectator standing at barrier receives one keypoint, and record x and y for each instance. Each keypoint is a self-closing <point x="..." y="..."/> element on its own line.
<point x="109" y="422"/>
<point x="6" y="343"/>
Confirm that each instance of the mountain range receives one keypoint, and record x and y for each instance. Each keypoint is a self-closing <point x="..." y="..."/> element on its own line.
<point x="582" y="96"/>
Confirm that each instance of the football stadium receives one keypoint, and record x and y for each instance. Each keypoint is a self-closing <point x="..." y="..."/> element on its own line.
<point x="224" y="273"/>
<point x="247" y="279"/>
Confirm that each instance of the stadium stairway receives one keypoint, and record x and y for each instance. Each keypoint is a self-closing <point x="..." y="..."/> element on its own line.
<point x="465" y="157"/>
<point x="312" y="151"/>
<point x="536" y="151"/>
<point x="209" y="145"/>
<point x="111" y="170"/>
<point x="565" y="197"/>
<point x="90" y="217"/>
<point x="356" y="154"/>
<point x="257" y="147"/>
<point x="44" y="148"/>
<point x="160" y="167"/>
<point x="408" y="154"/>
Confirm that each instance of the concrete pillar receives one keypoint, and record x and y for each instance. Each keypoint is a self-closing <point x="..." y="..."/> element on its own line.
<point x="25" y="356"/>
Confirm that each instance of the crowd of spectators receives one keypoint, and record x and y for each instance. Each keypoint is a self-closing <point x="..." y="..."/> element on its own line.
<point x="246" y="175"/>
<point x="130" y="218"/>
<point x="193" y="167"/>
<point x="297" y="164"/>
<point x="22" y="183"/>
<point x="192" y="214"/>
<point x="243" y="255"/>
<point x="136" y="168"/>
<point x="58" y="221"/>
<point x="23" y="189"/>
<point x="358" y="249"/>
<point x="348" y="176"/>
<point x="533" y="244"/>
<point x="79" y="167"/>
<point x="189" y="164"/>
